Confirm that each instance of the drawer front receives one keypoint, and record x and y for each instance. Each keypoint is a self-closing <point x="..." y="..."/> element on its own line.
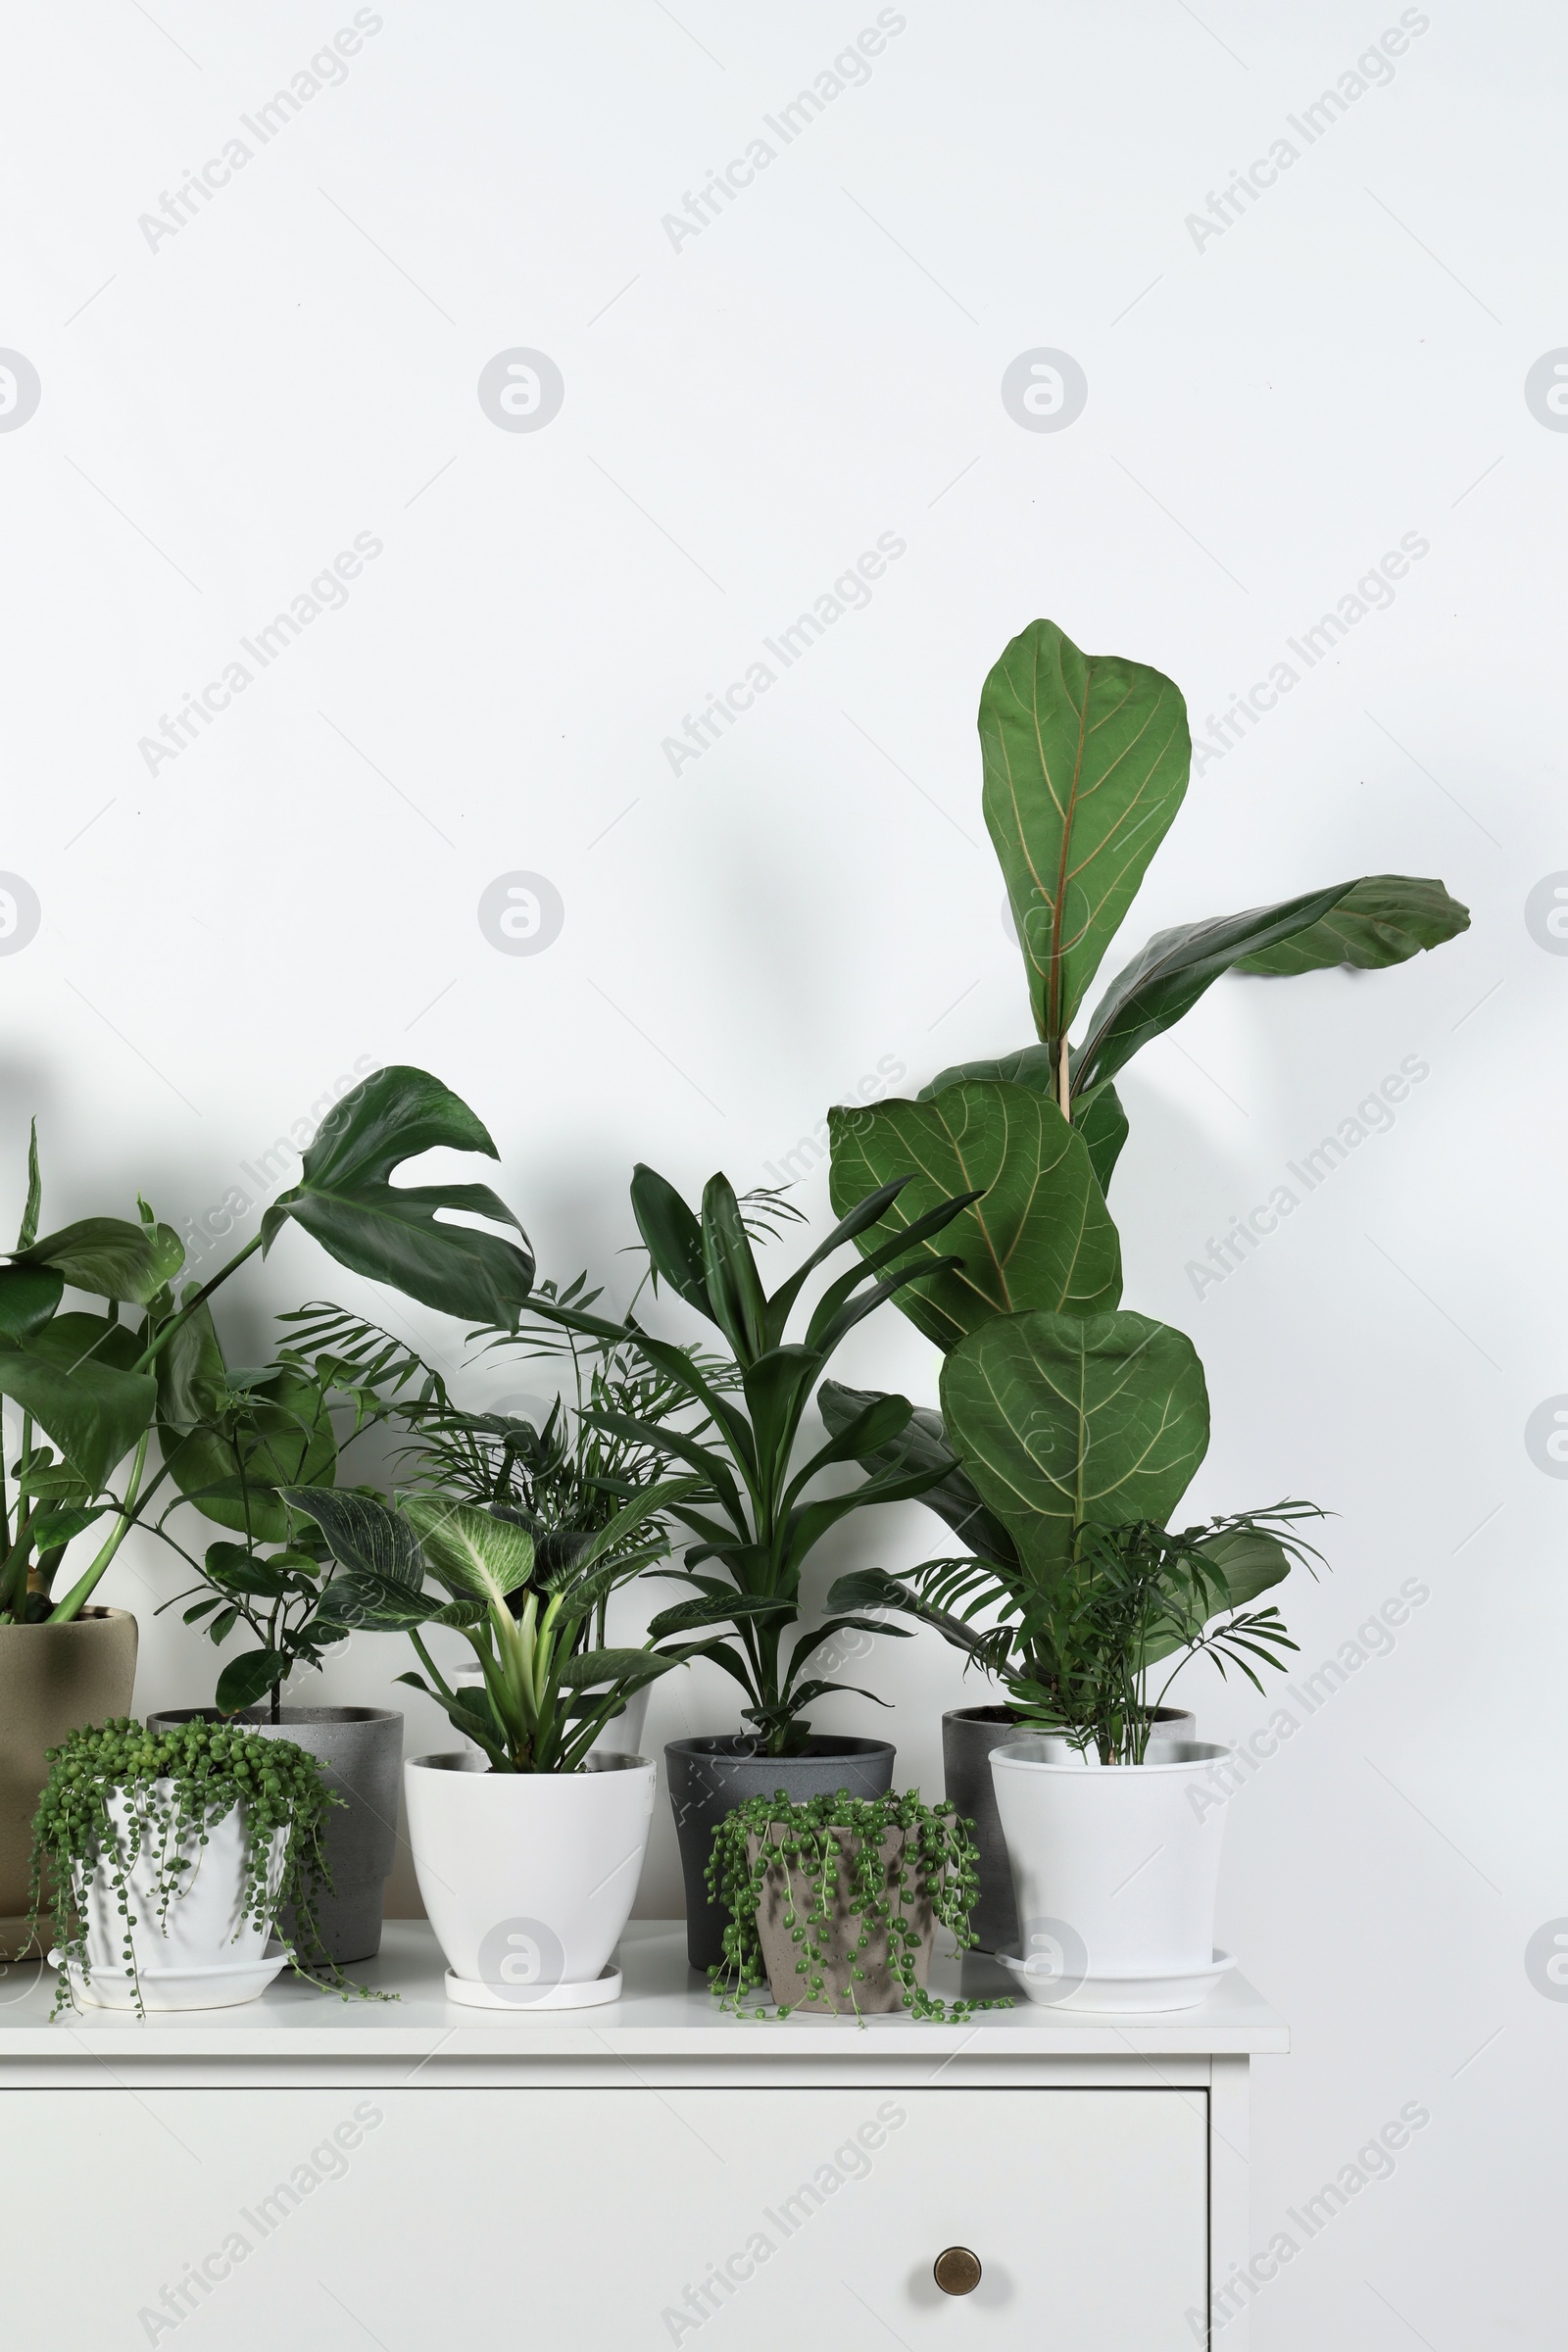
<point x="787" y="2221"/>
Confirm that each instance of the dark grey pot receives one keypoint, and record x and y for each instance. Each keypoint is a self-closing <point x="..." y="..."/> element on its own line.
<point x="709" y="1776"/>
<point x="968" y="1735"/>
<point x="359" y="1751"/>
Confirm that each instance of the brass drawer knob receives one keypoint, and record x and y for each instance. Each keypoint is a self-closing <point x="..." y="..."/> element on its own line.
<point x="956" y="2271"/>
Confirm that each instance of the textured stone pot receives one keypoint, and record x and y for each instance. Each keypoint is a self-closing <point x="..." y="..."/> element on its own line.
<point x="877" y="1990"/>
<point x="359" y="1751"/>
<point x="53" y="1679"/>
<point x="968" y="1735"/>
<point x="709" y="1776"/>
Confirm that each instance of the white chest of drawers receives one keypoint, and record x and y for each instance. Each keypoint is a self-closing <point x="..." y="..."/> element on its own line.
<point x="301" y="2175"/>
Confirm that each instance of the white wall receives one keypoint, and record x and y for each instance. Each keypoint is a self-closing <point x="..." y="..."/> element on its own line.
<point x="1269" y="410"/>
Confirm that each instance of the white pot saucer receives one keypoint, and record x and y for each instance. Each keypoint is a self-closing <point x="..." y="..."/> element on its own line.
<point x="471" y="1993"/>
<point x="223" y="1986"/>
<point x="1118" y="1990"/>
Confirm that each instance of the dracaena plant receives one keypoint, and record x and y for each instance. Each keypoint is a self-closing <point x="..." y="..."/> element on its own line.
<point x="90" y="1387"/>
<point x="1075" y="1440"/>
<point x="545" y="1696"/>
<point x="754" y="1512"/>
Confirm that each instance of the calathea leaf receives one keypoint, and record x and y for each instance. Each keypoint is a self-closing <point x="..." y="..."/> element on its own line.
<point x="1382" y="919"/>
<point x="1086" y="763"/>
<point x="391" y="1233"/>
<point x="470" y="1551"/>
<point x="1170" y="975"/>
<point x="361" y="1535"/>
<point x="1063" y="1422"/>
<point x="1039" y="1236"/>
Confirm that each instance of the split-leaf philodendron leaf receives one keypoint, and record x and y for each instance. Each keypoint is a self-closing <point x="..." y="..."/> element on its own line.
<point x="1040" y="1237"/>
<point x="391" y="1233"/>
<point x="1062" y="1422"/>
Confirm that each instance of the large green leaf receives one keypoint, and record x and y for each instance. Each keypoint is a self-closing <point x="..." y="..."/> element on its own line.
<point x="1062" y="1422"/>
<point x="1382" y="919"/>
<point x="1039" y="1236"/>
<point x="391" y="1233"/>
<point x="93" y="1412"/>
<point x="28" y="1296"/>
<point x="923" y="1444"/>
<point x="1103" y="1123"/>
<point x="469" y="1550"/>
<point x="231" y="1450"/>
<point x="361" y="1535"/>
<point x="110" y="1257"/>
<point x="1086" y="761"/>
<point x="673" y="1237"/>
<point x="1248" y="1561"/>
<point x="1167" y="979"/>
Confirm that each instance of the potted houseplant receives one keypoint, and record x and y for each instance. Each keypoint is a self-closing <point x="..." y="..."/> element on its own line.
<point x="229" y="1439"/>
<point x="1081" y="1434"/>
<point x="752" y="1516"/>
<point x="527" y="1852"/>
<point x="171" y="1855"/>
<point x="835" y="1902"/>
<point x="1085" y="763"/>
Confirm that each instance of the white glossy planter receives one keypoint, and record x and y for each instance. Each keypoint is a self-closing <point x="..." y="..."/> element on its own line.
<point x="528" y="1877"/>
<point x="622" y="1734"/>
<point x="205" y="1953"/>
<point x="1114" y="1870"/>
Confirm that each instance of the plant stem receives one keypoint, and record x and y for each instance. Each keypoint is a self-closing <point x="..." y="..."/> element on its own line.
<point x="1064" y="1078"/>
<point x="165" y="1331"/>
<point x="65" y="1611"/>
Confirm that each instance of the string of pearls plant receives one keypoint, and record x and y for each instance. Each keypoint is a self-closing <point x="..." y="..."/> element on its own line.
<point x="176" y="1783"/>
<point x="817" y="1842"/>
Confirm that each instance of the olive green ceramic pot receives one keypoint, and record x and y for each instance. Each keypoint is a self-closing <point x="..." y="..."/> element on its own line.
<point x="53" y="1679"/>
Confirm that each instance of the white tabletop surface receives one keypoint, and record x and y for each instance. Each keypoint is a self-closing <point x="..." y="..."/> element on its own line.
<point x="666" y="2011"/>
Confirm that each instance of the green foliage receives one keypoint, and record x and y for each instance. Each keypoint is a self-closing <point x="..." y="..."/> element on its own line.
<point x="175" y="1784"/>
<point x="838" y="1841"/>
<point x="389" y="1233"/>
<point x="1037" y="1235"/>
<point x="750" y="1510"/>
<point x="1134" y="1596"/>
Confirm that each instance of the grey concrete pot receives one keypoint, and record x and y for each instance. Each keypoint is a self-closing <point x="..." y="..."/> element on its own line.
<point x="709" y="1776"/>
<point x="877" y="1991"/>
<point x="968" y="1735"/>
<point x="359" y="1751"/>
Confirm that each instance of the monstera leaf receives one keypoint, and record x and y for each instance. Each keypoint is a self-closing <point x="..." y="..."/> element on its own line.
<point x="1086" y="763"/>
<point x="1062" y="1422"/>
<point x="389" y="1232"/>
<point x="1382" y="919"/>
<point x="1039" y="1236"/>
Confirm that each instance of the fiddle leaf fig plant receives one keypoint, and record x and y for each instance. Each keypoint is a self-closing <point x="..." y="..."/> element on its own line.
<point x="90" y="1386"/>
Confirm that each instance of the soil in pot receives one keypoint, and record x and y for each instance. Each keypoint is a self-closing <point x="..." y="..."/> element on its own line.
<point x="968" y="1735"/>
<point x="709" y="1776"/>
<point x="53" y="1679"/>
<point x="359" y="1751"/>
<point x="877" y="1990"/>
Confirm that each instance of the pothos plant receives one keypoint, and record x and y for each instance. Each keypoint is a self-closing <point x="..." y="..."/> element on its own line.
<point x="751" y="1512"/>
<point x="93" y="1387"/>
<point x="835" y="1849"/>
<point x="172" y="1788"/>
<point x="1086" y="761"/>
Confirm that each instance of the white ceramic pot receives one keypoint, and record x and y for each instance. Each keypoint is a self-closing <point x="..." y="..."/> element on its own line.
<point x="205" y="1952"/>
<point x="622" y="1734"/>
<point x="1114" y="1871"/>
<point x="529" y="1877"/>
